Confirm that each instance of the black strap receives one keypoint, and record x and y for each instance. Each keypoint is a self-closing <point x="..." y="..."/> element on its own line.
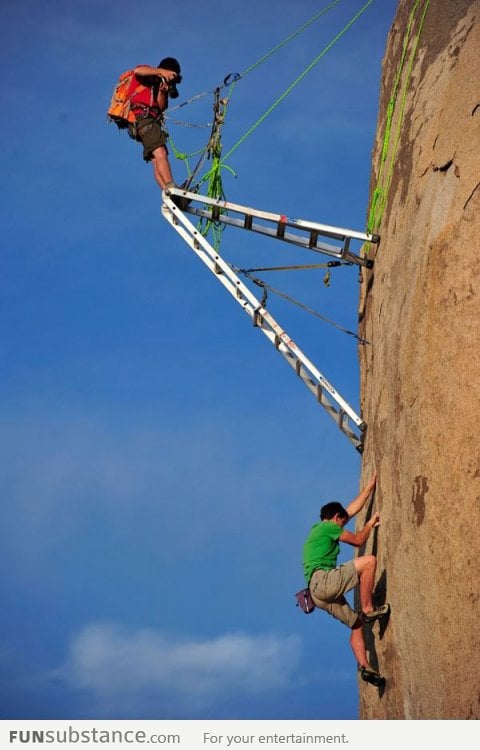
<point x="145" y="111"/>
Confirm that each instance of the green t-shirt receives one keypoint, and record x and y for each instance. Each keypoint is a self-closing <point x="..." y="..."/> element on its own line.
<point x="321" y="547"/>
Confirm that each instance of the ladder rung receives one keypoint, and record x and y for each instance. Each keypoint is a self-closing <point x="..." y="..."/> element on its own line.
<point x="313" y="239"/>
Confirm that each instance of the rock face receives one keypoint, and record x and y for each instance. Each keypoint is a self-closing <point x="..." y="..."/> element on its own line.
<point x="420" y="377"/>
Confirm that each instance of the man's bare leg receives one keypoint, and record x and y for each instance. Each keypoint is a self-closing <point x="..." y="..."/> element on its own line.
<point x="357" y="643"/>
<point x="366" y="566"/>
<point x="161" y="167"/>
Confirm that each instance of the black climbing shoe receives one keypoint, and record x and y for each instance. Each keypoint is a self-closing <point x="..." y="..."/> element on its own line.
<point x="376" y="614"/>
<point x="179" y="200"/>
<point x="371" y="676"/>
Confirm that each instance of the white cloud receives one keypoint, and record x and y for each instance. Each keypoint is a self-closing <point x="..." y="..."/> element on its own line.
<point x="150" y="671"/>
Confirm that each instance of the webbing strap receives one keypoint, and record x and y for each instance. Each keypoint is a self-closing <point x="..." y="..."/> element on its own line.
<point x="267" y="287"/>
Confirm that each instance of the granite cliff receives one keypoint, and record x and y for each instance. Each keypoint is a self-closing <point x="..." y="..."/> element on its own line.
<point x="420" y="376"/>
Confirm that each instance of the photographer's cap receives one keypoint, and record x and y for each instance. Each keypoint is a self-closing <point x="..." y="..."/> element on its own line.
<point x="170" y="63"/>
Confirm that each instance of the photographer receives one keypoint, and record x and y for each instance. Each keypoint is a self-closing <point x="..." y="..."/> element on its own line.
<point x="149" y="99"/>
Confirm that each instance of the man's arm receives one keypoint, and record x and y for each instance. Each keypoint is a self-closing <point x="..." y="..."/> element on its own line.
<point x="147" y="70"/>
<point x="162" y="97"/>
<point x="357" y="504"/>
<point x="167" y="75"/>
<point x="356" y="539"/>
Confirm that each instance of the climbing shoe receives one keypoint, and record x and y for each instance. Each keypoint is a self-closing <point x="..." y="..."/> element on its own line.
<point x="376" y="614"/>
<point x="179" y="200"/>
<point x="371" y="676"/>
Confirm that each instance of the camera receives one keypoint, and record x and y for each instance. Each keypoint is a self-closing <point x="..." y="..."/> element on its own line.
<point x="172" y="85"/>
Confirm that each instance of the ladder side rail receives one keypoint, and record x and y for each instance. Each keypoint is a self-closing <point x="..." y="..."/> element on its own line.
<point x="259" y="315"/>
<point x="210" y="257"/>
<point x="336" y="232"/>
<point x="325" y="229"/>
<point x="293" y="239"/>
<point x="310" y="367"/>
<point x="338" y="416"/>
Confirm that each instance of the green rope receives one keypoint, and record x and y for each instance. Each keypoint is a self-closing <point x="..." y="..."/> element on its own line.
<point x="182" y="156"/>
<point x="381" y="191"/>
<point x="214" y="175"/>
<point x="209" y="149"/>
<point x="264" y="58"/>
<point x="216" y="167"/>
<point x="289" y="38"/>
<point x="298" y="79"/>
<point x="214" y="148"/>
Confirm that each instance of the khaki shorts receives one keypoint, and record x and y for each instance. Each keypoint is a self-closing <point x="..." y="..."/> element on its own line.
<point x="150" y="134"/>
<point x="327" y="588"/>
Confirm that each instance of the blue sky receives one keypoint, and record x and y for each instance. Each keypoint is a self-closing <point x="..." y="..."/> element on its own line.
<point x="161" y="464"/>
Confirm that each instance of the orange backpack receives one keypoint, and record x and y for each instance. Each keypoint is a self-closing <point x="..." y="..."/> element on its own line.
<point x="119" y="110"/>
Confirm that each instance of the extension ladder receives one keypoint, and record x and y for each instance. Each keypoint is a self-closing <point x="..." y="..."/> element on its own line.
<point x="305" y="234"/>
<point x="327" y="396"/>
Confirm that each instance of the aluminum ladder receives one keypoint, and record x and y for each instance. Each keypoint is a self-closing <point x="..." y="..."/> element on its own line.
<point x="326" y="395"/>
<point x="307" y="234"/>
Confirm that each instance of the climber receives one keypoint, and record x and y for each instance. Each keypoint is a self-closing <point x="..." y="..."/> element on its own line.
<point x="328" y="583"/>
<point x="149" y="99"/>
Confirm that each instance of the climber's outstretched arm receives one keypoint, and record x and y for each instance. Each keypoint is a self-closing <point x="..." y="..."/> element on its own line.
<point x="357" y="504"/>
<point x="357" y="538"/>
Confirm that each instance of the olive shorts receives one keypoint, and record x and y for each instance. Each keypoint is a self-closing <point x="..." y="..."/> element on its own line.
<point x="328" y="587"/>
<point x="149" y="132"/>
